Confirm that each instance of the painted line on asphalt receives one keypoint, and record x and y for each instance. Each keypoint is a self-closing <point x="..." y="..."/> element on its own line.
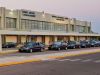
<point x="64" y="59"/>
<point x="87" y="60"/>
<point x="68" y="55"/>
<point x="75" y="60"/>
<point x="97" y="61"/>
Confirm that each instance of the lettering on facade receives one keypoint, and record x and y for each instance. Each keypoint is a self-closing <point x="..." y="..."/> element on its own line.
<point x="59" y="18"/>
<point x="28" y="13"/>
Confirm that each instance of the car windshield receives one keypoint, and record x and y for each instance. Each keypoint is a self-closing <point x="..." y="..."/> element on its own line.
<point x="9" y="43"/>
<point x="83" y="42"/>
<point x="56" y="43"/>
<point x="71" y="42"/>
<point x="93" y="42"/>
<point x="29" y="45"/>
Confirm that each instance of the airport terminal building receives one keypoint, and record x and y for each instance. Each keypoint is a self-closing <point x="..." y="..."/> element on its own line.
<point x="23" y="25"/>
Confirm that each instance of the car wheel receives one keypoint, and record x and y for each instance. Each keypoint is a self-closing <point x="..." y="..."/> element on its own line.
<point x="66" y="48"/>
<point x="42" y="49"/>
<point x="74" y="47"/>
<point x="59" y="49"/>
<point x="7" y="46"/>
<point x="30" y="50"/>
<point x="84" y="46"/>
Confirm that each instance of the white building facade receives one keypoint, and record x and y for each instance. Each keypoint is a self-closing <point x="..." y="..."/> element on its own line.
<point x="22" y="26"/>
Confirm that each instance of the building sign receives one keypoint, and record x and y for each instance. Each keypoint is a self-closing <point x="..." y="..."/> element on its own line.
<point x="59" y="18"/>
<point x="28" y="13"/>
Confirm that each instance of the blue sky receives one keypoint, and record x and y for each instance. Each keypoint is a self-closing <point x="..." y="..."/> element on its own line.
<point x="81" y="9"/>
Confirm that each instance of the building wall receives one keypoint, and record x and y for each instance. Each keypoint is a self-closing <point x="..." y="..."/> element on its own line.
<point x="71" y="38"/>
<point x="23" y="39"/>
<point x="82" y="38"/>
<point x="11" y="39"/>
<point x="39" y="39"/>
<point x="40" y="16"/>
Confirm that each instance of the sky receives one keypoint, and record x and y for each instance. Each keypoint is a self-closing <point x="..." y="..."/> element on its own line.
<point x="81" y="9"/>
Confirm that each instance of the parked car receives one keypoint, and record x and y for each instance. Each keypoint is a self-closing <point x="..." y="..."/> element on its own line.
<point x="85" y="44"/>
<point x="94" y="43"/>
<point x="9" y="45"/>
<point x="58" y="46"/>
<point x="73" y="44"/>
<point x="32" y="46"/>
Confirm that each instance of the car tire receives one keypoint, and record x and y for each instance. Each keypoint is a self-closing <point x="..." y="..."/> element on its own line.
<point x="30" y="50"/>
<point x="7" y="46"/>
<point x="74" y="47"/>
<point x="66" y="48"/>
<point x="42" y="50"/>
<point x="59" y="49"/>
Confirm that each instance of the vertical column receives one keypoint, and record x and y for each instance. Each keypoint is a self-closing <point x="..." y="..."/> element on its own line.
<point x="75" y="21"/>
<point x="18" y="39"/>
<point x="86" y="26"/>
<point x="47" y="40"/>
<point x="69" y="26"/>
<point x="2" y="18"/>
<point x="18" y="20"/>
<point x="55" y="38"/>
<point x="0" y="43"/>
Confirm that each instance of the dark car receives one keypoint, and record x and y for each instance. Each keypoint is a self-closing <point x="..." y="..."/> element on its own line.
<point x="32" y="46"/>
<point x="85" y="44"/>
<point x="73" y="44"/>
<point x="9" y="45"/>
<point x="94" y="43"/>
<point x="58" y="46"/>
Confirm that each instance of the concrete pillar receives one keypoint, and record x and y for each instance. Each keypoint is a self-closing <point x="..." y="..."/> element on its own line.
<point x="76" y="38"/>
<point x="55" y="38"/>
<point x="19" y="39"/>
<point x="18" y="21"/>
<point x="69" y="26"/>
<point x="0" y="43"/>
<point x="47" y="40"/>
<point x="3" y="39"/>
<point x="2" y="18"/>
<point x="74" y="24"/>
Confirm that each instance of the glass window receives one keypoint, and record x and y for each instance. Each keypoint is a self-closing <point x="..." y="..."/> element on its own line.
<point x="10" y="23"/>
<point x="72" y="27"/>
<point x="41" y="25"/>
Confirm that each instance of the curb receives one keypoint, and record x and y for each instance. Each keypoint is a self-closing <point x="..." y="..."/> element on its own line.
<point x="8" y="52"/>
<point x="22" y="62"/>
<point x="50" y="57"/>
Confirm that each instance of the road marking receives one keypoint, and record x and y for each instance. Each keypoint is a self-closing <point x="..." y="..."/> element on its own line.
<point x="64" y="60"/>
<point x="97" y="61"/>
<point x="48" y="59"/>
<point x="75" y="60"/>
<point x="87" y="60"/>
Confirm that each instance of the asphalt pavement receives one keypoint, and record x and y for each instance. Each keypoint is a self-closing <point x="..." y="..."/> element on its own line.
<point x="77" y="65"/>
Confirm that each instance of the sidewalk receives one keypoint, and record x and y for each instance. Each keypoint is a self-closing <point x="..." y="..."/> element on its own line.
<point x="14" y="60"/>
<point x="7" y="51"/>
